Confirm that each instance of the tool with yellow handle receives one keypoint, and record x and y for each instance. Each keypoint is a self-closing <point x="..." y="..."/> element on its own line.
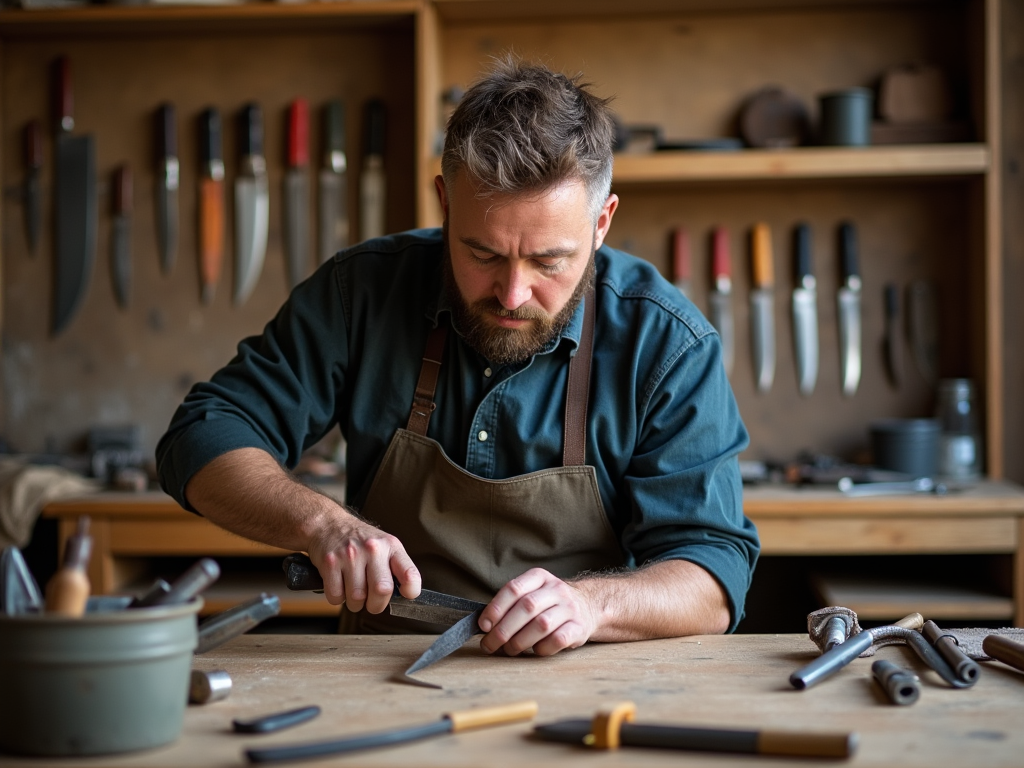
<point x="453" y="722"/>
<point x="67" y="591"/>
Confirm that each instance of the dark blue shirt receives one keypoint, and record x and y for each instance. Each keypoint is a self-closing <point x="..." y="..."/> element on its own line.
<point x="663" y="428"/>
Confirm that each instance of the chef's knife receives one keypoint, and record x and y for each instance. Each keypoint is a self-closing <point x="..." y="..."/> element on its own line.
<point x="296" y="193"/>
<point x="252" y="204"/>
<point x="211" y="203"/>
<point x="453" y="722"/>
<point x="681" y="260"/>
<point x="76" y="207"/>
<point x="721" y="296"/>
<point x="849" y="310"/>
<point x="372" y="187"/>
<point x="923" y="327"/>
<point x="333" y="201"/>
<point x="805" y="311"/>
<point x="762" y="307"/>
<point x="33" y="184"/>
<point x="121" y="236"/>
<point x="167" y="175"/>
<point x="893" y="334"/>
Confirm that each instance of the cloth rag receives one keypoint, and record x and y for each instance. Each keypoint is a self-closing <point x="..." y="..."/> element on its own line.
<point x="26" y="488"/>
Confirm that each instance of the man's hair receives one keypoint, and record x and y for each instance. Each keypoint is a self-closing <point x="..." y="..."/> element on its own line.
<point x="524" y="128"/>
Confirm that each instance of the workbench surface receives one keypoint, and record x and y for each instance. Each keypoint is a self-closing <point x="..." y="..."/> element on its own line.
<point x="738" y="681"/>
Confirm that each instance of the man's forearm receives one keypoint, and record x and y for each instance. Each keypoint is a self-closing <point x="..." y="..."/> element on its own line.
<point x="672" y="598"/>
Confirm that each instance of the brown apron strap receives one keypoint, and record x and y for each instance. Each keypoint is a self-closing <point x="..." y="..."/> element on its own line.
<point x="423" y="401"/>
<point x="574" y="449"/>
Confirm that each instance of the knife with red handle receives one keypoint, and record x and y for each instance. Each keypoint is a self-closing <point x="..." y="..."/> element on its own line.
<point x="167" y="174"/>
<point x="721" y="295"/>
<point x="296" y="194"/>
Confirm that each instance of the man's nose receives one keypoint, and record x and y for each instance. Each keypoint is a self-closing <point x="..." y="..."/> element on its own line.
<point x="513" y="288"/>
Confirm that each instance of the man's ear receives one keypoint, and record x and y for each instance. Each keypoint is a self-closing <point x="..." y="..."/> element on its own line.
<point x="604" y="220"/>
<point x="442" y="194"/>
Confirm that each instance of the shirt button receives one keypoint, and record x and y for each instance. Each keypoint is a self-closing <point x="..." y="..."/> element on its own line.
<point x="482" y="435"/>
<point x="487" y="372"/>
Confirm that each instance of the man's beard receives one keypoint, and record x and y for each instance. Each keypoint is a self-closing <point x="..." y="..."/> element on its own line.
<point x="508" y="346"/>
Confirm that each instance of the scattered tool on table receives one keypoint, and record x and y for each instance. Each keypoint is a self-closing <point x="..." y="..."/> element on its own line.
<point x="899" y="684"/>
<point x="194" y="580"/>
<point x="277" y="721"/>
<point x="167" y="182"/>
<point x="206" y="687"/>
<point x="721" y="296"/>
<point x="333" y="199"/>
<point x="19" y="592"/>
<point x="613" y="726"/>
<point x="68" y="589"/>
<point x="159" y="588"/>
<point x="762" y="307"/>
<point x="218" y="629"/>
<point x="948" y="646"/>
<point x="33" y="193"/>
<point x="1005" y="650"/>
<point x="848" y="298"/>
<point x="453" y="722"/>
<point x="430" y="607"/>
<point x="805" y="311"/>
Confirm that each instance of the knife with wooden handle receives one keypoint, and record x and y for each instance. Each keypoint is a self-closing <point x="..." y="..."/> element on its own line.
<point x="211" y="203"/>
<point x="372" y="184"/>
<point x="296" y="194"/>
<point x="121" y="236"/>
<point x="849" y="310"/>
<point x="333" y="199"/>
<point x="681" y="260"/>
<point x="805" y="311"/>
<point x="167" y="175"/>
<point x="762" y="307"/>
<point x="721" y="296"/>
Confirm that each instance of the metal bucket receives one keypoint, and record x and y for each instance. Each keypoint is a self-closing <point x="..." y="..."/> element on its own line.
<point x="109" y="682"/>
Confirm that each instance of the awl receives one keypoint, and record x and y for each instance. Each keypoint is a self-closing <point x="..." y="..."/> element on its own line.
<point x="372" y="186"/>
<point x="167" y="182"/>
<point x="805" y="311"/>
<point x="33" y="184"/>
<point x="333" y="179"/>
<point x="849" y="310"/>
<point x="721" y="296"/>
<point x="211" y="203"/>
<point x="252" y="204"/>
<point x="296" y="194"/>
<point x="121" y="236"/>
<point x="762" y="307"/>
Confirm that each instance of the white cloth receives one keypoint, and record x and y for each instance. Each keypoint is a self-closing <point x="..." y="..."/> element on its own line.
<point x="26" y="488"/>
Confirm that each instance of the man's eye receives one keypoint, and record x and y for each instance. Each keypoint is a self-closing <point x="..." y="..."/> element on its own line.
<point x="482" y="258"/>
<point x="550" y="266"/>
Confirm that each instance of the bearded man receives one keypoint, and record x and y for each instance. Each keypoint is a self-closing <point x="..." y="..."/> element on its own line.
<point x="533" y="419"/>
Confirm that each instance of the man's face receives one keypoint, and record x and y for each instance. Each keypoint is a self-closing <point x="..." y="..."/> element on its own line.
<point x="518" y="265"/>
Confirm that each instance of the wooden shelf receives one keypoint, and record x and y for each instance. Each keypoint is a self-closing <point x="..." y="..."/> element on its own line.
<point x="881" y="600"/>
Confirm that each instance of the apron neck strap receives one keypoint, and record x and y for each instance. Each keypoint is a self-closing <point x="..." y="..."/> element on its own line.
<point x="574" y="448"/>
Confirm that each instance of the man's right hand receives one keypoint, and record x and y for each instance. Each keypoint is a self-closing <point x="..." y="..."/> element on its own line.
<point x="360" y="564"/>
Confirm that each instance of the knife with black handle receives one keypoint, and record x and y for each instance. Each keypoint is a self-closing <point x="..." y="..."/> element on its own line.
<point x="252" y="203"/>
<point x="893" y="334"/>
<point x="121" y="236"/>
<point x="167" y="174"/>
<point x="33" y="184"/>
<point x="333" y="201"/>
<point x="805" y="311"/>
<point x="849" y="310"/>
<point x="372" y="186"/>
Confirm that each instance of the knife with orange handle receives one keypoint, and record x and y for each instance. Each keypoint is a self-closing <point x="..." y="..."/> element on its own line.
<point x="211" y="203"/>
<point x="762" y="307"/>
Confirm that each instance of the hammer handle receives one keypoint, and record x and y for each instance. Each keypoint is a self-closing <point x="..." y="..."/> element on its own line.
<point x="1005" y="650"/>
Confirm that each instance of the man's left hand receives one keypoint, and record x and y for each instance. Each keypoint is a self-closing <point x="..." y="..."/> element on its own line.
<point x="537" y="610"/>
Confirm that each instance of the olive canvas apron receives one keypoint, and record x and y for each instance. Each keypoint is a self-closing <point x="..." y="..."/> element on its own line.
<point x="469" y="535"/>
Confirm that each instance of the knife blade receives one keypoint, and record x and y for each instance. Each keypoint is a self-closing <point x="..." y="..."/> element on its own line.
<point x="211" y="203"/>
<point x="452" y="722"/>
<point x="767" y="742"/>
<point x="76" y="212"/>
<point x="893" y="343"/>
<point x="333" y="200"/>
<point x="721" y="296"/>
<point x="33" y="184"/>
<point x="849" y="310"/>
<point x="681" y="260"/>
<point x="167" y="173"/>
<point x="446" y="644"/>
<point x="762" y="307"/>
<point x="296" y="193"/>
<point x="252" y="204"/>
<point x="923" y="328"/>
<point x="805" y="311"/>
<point x="121" y="236"/>
<point x="372" y="183"/>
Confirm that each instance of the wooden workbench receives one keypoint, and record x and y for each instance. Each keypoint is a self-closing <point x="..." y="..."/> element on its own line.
<point x="737" y="681"/>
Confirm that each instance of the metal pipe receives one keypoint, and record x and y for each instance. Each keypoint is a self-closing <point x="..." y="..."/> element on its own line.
<point x="899" y="684"/>
<point x="837" y="631"/>
<point x="965" y="668"/>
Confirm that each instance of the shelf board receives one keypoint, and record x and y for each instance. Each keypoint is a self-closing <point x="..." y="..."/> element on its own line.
<point x="163" y="18"/>
<point x="881" y="600"/>
<point x="909" y="161"/>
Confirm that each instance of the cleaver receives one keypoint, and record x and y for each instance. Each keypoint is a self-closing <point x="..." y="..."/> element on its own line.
<point x="75" y="211"/>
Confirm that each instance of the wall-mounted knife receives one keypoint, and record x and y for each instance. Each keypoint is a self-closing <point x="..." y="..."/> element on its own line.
<point x="252" y="203"/>
<point x="76" y="212"/>
<point x="121" y="236"/>
<point x="923" y="328"/>
<point x="33" y="184"/>
<point x="372" y="185"/>
<point x="296" y="193"/>
<point x="721" y="296"/>
<point x="333" y="202"/>
<point x="681" y="260"/>
<point x="167" y="181"/>
<point x="893" y="343"/>
<point x="805" y="311"/>
<point x="762" y="307"/>
<point x="849" y="310"/>
<point x="211" y="203"/>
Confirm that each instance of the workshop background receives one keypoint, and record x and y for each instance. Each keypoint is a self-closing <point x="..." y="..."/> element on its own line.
<point x="936" y="208"/>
